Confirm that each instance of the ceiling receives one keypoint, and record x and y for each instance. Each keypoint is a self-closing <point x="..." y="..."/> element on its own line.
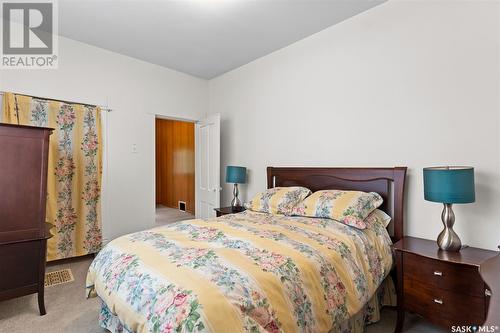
<point x="204" y="38"/>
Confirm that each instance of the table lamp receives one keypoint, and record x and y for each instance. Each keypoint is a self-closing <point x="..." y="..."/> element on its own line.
<point x="449" y="185"/>
<point x="236" y="175"/>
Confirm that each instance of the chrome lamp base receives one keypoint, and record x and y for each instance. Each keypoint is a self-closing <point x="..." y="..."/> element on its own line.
<point x="448" y="239"/>
<point x="236" y="203"/>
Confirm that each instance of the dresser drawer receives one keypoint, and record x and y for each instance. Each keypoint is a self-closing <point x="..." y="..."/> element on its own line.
<point x="441" y="306"/>
<point x="19" y="265"/>
<point x="457" y="278"/>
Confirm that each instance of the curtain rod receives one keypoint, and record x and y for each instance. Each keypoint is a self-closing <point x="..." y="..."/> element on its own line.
<point x="104" y="108"/>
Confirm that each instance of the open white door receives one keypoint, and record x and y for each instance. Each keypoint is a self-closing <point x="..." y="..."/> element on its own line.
<point x="207" y="173"/>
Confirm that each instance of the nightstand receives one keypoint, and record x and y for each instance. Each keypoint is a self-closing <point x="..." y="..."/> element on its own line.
<point x="228" y="210"/>
<point x="443" y="287"/>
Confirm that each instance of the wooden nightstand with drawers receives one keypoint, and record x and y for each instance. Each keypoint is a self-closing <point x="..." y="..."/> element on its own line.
<point x="227" y="210"/>
<point x="443" y="287"/>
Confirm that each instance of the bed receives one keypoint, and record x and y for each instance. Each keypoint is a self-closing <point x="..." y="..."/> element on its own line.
<point x="256" y="272"/>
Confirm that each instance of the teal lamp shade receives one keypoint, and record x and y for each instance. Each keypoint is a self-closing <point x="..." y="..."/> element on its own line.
<point x="449" y="185"/>
<point x="236" y="175"/>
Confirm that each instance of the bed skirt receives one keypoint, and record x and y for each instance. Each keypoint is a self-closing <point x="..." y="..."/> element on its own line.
<point x="369" y="314"/>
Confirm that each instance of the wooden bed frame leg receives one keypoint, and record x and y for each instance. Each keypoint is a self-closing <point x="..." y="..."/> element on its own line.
<point x="399" y="290"/>
<point x="400" y="321"/>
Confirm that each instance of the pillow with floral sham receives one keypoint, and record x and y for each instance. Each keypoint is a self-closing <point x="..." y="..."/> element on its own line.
<point x="348" y="207"/>
<point x="377" y="217"/>
<point x="278" y="200"/>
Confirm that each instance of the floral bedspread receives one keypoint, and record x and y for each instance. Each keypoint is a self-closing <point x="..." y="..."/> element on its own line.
<point x="246" y="272"/>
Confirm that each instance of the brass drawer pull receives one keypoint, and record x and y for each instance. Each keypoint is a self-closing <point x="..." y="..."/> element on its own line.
<point x="438" y="273"/>
<point x="487" y="292"/>
<point x="438" y="301"/>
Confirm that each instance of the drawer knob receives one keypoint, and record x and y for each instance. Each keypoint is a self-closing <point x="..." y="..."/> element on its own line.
<point x="487" y="292"/>
<point x="438" y="301"/>
<point x="438" y="273"/>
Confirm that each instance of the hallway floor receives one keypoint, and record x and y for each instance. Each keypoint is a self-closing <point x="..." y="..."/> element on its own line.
<point x="166" y="215"/>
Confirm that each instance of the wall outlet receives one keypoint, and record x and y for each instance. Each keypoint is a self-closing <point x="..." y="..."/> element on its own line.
<point x="134" y="148"/>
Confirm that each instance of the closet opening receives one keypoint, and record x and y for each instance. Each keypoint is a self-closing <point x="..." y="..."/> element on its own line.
<point x="175" y="170"/>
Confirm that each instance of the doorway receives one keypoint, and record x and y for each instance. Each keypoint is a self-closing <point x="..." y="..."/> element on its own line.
<point x="175" y="170"/>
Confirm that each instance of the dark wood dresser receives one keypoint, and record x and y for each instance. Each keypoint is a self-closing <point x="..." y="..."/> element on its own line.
<point x="443" y="287"/>
<point x="23" y="231"/>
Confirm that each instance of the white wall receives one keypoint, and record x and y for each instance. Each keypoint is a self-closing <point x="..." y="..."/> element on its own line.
<point x="405" y="83"/>
<point x="134" y="90"/>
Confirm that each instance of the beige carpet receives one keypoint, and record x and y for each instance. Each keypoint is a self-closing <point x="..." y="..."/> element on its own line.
<point x="166" y="215"/>
<point x="69" y="311"/>
<point x="67" y="308"/>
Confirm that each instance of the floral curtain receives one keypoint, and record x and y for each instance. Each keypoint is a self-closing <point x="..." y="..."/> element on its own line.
<point x="74" y="173"/>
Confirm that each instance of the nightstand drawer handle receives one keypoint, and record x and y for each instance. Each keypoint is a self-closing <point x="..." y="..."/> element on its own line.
<point x="487" y="292"/>
<point x="438" y="301"/>
<point x="438" y="273"/>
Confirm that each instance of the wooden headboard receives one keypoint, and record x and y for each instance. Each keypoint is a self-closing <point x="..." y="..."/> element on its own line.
<point x="388" y="182"/>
